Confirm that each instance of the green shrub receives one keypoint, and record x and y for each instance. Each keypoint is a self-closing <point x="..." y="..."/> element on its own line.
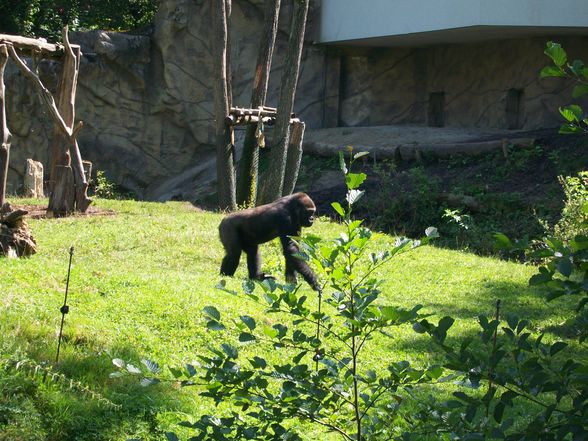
<point x="573" y="220"/>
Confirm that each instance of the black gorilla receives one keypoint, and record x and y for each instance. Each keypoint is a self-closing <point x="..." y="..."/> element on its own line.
<point x="245" y="230"/>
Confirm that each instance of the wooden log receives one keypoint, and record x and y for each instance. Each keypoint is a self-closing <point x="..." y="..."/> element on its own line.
<point x="274" y="181"/>
<point x="14" y="216"/>
<point x="224" y="147"/>
<point x="5" y="137"/>
<point x="294" y="156"/>
<point x="32" y="44"/>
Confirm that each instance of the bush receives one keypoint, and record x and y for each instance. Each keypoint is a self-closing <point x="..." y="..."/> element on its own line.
<point x="573" y="220"/>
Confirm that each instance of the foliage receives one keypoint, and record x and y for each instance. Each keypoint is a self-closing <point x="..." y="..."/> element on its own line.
<point x="504" y="366"/>
<point x="577" y="121"/>
<point x="46" y="18"/>
<point x="104" y="188"/>
<point x="322" y="375"/>
<point x="406" y="202"/>
<point x="573" y="218"/>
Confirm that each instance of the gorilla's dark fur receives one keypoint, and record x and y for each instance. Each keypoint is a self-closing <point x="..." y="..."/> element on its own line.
<point x="245" y="230"/>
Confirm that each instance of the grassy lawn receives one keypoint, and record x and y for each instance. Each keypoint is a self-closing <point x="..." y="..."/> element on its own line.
<point x="140" y="279"/>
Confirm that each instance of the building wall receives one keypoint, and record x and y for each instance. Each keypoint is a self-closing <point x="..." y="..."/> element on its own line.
<point x="354" y="20"/>
<point x="480" y="84"/>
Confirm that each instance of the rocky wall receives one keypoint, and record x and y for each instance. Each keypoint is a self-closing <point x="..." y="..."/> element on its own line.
<point x="146" y="100"/>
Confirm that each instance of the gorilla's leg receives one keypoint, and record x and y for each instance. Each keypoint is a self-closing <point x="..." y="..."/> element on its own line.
<point x="230" y="263"/>
<point x="230" y="240"/>
<point x="253" y="262"/>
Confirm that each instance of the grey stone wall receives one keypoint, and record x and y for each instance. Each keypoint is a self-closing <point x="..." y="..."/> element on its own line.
<point x="146" y="100"/>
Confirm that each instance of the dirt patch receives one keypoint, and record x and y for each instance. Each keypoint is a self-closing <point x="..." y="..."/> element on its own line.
<point x="40" y="212"/>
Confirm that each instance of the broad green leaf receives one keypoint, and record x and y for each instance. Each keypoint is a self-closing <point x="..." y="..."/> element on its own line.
<point x="360" y="155"/>
<point x="212" y="312"/>
<point x="249" y="321"/>
<point x="568" y="129"/>
<point x="246" y="337"/>
<point x="119" y="363"/>
<point x="354" y="195"/>
<point x="171" y="436"/>
<point x="580" y="90"/>
<point x="338" y="208"/>
<point x="557" y="347"/>
<point x="572" y="113"/>
<point x="248" y="286"/>
<point x="151" y="365"/>
<point x="502" y="241"/>
<point x="354" y="180"/>
<point x="132" y="369"/>
<point x="149" y="381"/>
<point x="565" y="267"/>
<point x="556" y="53"/>
<point x="432" y="233"/>
<point x="342" y="162"/>
<point x="213" y="325"/>
<point x="552" y="71"/>
<point x="231" y="351"/>
<point x="270" y="332"/>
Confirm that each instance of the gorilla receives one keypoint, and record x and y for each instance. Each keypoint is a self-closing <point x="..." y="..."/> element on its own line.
<point x="245" y="230"/>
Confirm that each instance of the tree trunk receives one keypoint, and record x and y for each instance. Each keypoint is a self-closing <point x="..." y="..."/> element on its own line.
<point x="63" y="146"/>
<point x="249" y="164"/>
<point x="225" y="170"/>
<point x="294" y="156"/>
<point x="4" y="132"/>
<point x="274" y="181"/>
<point x="64" y="193"/>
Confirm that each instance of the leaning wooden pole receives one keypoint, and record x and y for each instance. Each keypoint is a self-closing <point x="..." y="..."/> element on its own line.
<point x="249" y="163"/>
<point x="273" y="186"/>
<point x="225" y="169"/>
<point x="294" y="156"/>
<point x="5" y="138"/>
<point x="68" y="184"/>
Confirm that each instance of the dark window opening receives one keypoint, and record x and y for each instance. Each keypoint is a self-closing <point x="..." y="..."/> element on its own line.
<point x="436" y="110"/>
<point x="514" y="109"/>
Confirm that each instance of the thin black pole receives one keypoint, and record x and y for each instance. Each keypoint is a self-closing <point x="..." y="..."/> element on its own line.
<point x="64" y="309"/>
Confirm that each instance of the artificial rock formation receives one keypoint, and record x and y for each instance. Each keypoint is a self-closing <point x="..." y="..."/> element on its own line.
<point x="146" y="100"/>
<point x="33" y="179"/>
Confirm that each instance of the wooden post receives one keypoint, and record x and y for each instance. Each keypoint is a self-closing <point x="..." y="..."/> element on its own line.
<point x="294" y="156"/>
<point x="225" y="170"/>
<point x="5" y="138"/>
<point x="64" y="145"/>
<point x="249" y="164"/>
<point x="274" y="182"/>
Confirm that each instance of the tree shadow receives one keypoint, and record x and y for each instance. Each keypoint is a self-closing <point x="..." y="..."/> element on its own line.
<point x="77" y="399"/>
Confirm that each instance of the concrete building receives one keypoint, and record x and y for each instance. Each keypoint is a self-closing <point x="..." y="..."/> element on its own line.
<point x="453" y="63"/>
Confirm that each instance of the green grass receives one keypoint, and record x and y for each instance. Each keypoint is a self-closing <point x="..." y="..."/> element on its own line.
<point x="140" y="279"/>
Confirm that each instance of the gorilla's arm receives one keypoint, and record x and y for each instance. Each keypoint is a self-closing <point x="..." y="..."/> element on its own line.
<point x="295" y="264"/>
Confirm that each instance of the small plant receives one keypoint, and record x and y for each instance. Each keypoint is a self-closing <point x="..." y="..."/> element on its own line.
<point x="103" y="187"/>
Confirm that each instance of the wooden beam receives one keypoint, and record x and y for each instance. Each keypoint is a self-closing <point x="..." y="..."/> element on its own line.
<point x="32" y="44"/>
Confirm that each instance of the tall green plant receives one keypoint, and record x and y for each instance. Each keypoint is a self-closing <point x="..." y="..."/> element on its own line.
<point x="324" y="344"/>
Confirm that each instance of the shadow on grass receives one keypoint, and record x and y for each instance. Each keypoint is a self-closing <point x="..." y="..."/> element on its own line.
<point x="86" y="404"/>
